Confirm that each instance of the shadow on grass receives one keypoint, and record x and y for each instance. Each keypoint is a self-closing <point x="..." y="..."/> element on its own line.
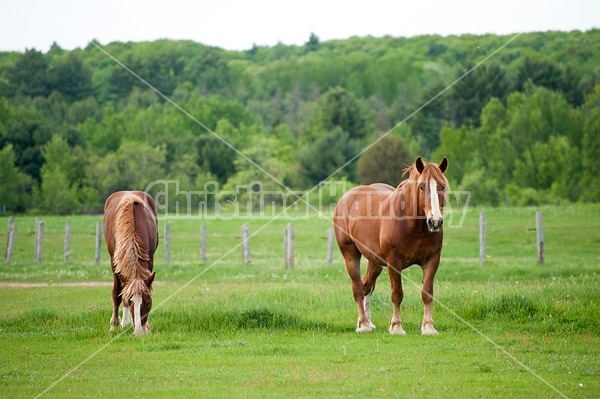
<point x="185" y="320"/>
<point x="215" y="320"/>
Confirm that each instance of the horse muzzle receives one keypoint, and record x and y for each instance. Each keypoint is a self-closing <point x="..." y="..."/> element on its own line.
<point x="435" y="226"/>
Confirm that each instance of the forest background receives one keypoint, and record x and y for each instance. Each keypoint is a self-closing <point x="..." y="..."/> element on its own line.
<point x="521" y="128"/>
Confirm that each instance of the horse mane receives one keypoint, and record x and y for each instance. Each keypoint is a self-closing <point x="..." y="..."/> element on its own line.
<point x="129" y="250"/>
<point x="431" y="171"/>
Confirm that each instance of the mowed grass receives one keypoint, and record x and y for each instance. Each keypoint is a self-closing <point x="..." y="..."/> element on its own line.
<point x="512" y="328"/>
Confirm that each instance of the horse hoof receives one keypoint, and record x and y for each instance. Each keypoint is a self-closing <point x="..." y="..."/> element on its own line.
<point x="397" y="330"/>
<point x="364" y="329"/>
<point x="428" y="330"/>
<point x="139" y="332"/>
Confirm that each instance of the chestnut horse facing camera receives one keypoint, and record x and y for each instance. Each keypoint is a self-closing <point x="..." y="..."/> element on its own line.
<point x="395" y="228"/>
<point x="131" y="233"/>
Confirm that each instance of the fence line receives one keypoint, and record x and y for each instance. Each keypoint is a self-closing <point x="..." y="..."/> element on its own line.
<point x="288" y="241"/>
<point x="330" y="239"/>
<point x="203" y="243"/>
<point x="39" y="239"/>
<point x="98" y="241"/>
<point x="539" y="233"/>
<point x="167" y="243"/>
<point x="10" y="239"/>
<point x="289" y="246"/>
<point x="246" y="243"/>
<point x="482" y="238"/>
<point x="67" y="250"/>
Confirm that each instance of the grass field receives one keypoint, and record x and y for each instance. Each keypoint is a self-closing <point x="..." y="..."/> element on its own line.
<point x="512" y="328"/>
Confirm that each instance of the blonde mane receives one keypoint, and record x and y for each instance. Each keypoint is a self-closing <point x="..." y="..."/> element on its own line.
<point x="430" y="171"/>
<point x="409" y="187"/>
<point x="129" y="251"/>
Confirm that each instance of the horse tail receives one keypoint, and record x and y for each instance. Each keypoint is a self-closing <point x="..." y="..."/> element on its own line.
<point x="129" y="251"/>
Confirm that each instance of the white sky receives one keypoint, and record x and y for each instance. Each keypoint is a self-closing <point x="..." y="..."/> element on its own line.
<point x="237" y="25"/>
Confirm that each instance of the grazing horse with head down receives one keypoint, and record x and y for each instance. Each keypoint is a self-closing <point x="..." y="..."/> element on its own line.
<point x="131" y="233"/>
<point x="395" y="228"/>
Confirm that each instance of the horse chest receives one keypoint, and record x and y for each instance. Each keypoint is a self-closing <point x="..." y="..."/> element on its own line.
<point x="412" y="248"/>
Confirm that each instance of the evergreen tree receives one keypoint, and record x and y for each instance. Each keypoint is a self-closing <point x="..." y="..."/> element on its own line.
<point x="13" y="184"/>
<point x="384" y="162"/>
<point x="541" y="72"/>
<point x="590" y="190"/>
<point x="58" y="188"/>
<point x="338" y="108"/>
<point x="471" y="93"/>
<point x="29" y="75"/>
<point x="71" y="78"/>
<point x="328" y="155"/>
<point x="313" y="43"/>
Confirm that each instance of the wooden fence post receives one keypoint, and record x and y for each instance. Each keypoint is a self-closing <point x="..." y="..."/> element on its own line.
<point x="246" y="243"/>
<point x="285" y="246"/>
<point x="11" y="222"/>
<point x="539" y="229"/>
<point x="10" y="239"/>
<point x="67" y="242"/>
<point x="203" y="243"/>
<point x="289" y="246"/>
<point x="39" y="239"/>
<point x="330" y="245"/>
<point x="167" y="243"/>
<point x="98" y="241"/>
<point x="482" y="238"/>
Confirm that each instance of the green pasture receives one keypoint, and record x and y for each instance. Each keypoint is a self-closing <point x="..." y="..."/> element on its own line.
<point x="512" y="328"/>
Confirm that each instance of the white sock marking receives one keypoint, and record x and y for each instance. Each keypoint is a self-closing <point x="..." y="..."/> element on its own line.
<point x="367" y="307"/>
<point x="126" y="317"/>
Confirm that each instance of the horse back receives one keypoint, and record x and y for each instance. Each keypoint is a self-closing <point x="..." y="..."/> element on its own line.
<point x="358" y="216"/>
<point x="146" y="226"/>
<point x="145" y="219"/>
<point x="364" y="202"/>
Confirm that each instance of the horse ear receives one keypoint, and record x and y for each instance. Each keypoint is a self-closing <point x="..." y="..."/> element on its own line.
<point x="419" y="164"/>
<point x="150" y="279"/>
<point x="444" y="165"/>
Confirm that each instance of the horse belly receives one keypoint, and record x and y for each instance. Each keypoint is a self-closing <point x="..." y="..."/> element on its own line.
<point x="366" y="240"/>
<point x="358" y="217"/>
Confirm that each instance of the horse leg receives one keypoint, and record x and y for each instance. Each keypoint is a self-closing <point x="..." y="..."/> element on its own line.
<point x="395" y="273"/>
<point x="352" y="259"/>
<point x="373" y="271"/>
<point x="429" y="271"/>
<point x="127" y="317"/>
<point x="116" y="297"/>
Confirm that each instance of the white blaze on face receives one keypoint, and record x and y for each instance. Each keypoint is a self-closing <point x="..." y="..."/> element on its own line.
<point x="137" y="315"/>
<point x="436" y="213"/>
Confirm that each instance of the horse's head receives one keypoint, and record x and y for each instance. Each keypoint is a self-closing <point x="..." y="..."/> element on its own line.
<point x="431" y="188"/>
<point x="137" y="297"/>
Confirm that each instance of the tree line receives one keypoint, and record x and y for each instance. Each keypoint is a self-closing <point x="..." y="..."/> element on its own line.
<point x="522" y="127"/>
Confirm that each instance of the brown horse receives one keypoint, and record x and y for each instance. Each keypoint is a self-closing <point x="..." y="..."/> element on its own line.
<point x="395" y="228"/>
<point x="131" y="233"/>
